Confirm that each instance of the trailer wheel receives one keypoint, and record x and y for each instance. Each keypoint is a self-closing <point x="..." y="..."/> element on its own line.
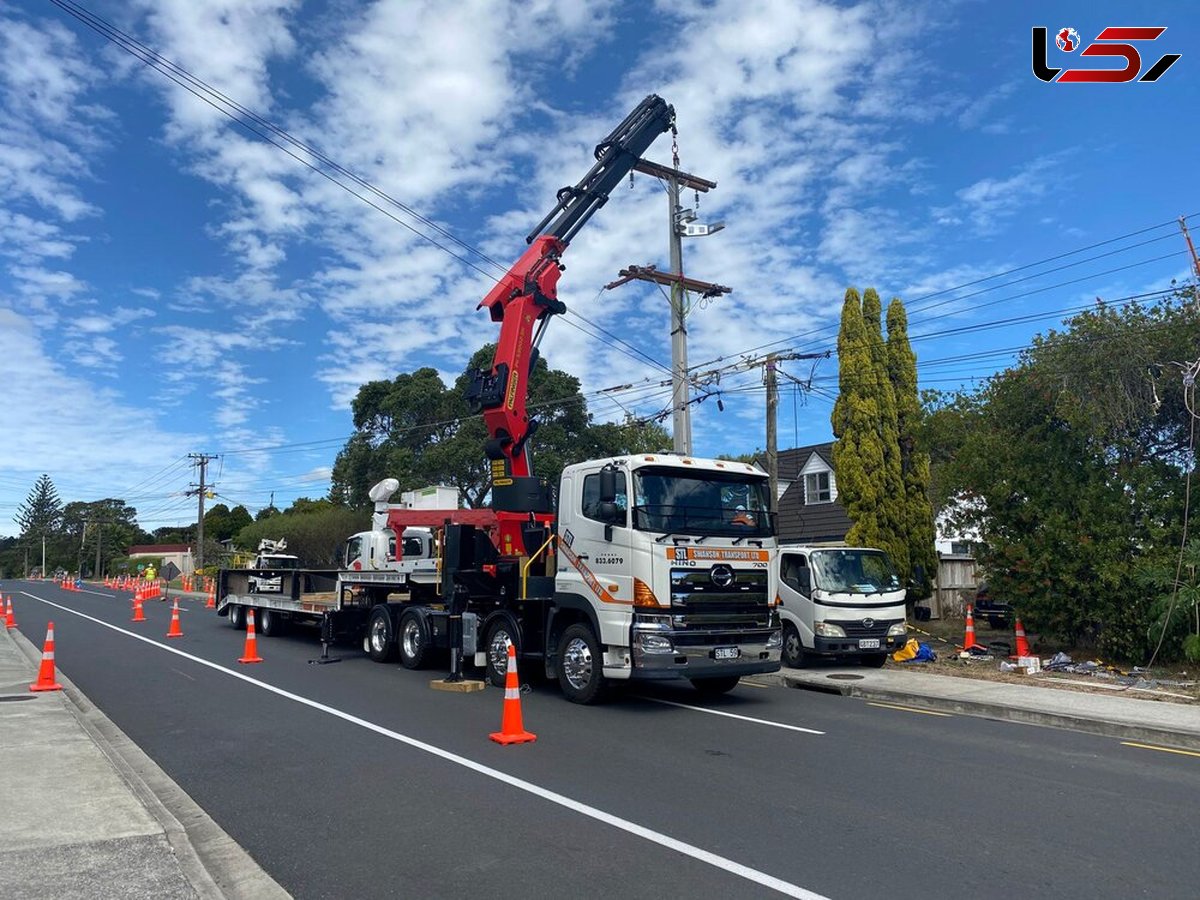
<point x="712" y="687"/>
<point x="237" y="616"/>
<point x="499" y="635"/>
<point x="580" y="665"/>
<point x="380" y="642"/>
<point x="414" y="640"/>
<point x="269" y="622"/>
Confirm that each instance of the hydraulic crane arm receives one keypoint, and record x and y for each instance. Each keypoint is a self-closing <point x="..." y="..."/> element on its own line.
<point x="527" y="296"/>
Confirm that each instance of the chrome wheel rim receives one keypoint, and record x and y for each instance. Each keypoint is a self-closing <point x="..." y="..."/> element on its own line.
<point x="577" y="663"/>
<point x="411" y="638"/>
<point x="498" y="651"/>
<point x="378" y="635"/>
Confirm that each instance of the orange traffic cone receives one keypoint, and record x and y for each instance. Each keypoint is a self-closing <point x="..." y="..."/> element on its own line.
<point x="1022" y="644"/>
<point x="212" y="600"/>
<point x="9" y="621"/>
<point x="512" y="729"/>
<point x="969" y="640"/>
<point x="45" y="680"/>
<point x="139" y="614"/>
<point x="251" y="650"/>
<point x="175" y="630"/>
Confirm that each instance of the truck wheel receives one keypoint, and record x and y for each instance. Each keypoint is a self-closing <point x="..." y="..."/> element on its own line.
<point x="580" y="665"/>
<point x="269" y="622"/>
<point x="793" y="647"/>
<point x="414" y="640"/>
<point x="874" y="660"/>
<point x="499" y="635"/>
<point x="237" y="616"/>
<point x="380" y="643"/>
<point x="711" y="687"/>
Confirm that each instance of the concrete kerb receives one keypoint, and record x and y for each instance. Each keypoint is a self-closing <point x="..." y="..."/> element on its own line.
<point x="1024" y="714"/>
<point x="216" y="866"/>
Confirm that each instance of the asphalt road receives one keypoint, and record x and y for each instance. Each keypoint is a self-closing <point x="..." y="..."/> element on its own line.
<point x="357" y="779"/>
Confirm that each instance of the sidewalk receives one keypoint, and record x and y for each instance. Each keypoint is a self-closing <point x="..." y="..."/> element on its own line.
<point x="1151" y="721"/>
<point x="85" y="813"/>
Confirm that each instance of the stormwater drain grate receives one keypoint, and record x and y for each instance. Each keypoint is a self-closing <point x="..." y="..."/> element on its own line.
<point x="7" y="697"/>
<point x="844" y="676"/>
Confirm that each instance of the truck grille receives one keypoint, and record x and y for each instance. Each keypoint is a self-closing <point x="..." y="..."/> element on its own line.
<point x="855" y="628"/>
<point x="699" y="602"/>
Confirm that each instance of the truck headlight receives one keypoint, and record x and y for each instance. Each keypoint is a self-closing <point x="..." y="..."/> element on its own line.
<point x="828" y="629"/>
<point x="655" y="643"/>
<point x="898" y="630"/>
<point x="775" y="641"/>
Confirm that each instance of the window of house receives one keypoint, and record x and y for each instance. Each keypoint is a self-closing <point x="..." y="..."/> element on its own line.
<point x="961" y="548"/>
<point x="816" y="488"/>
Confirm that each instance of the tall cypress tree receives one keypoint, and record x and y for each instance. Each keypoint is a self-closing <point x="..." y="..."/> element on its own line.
<point x="919" y="528"/>
<point x="890" y="481"/>
<point x="858" y="452"/>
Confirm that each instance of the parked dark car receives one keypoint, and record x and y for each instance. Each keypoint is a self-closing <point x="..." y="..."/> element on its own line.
<point x="997" y="613"/>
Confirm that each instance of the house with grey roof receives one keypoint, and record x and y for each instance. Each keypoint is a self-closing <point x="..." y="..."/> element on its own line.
<point x="809" y="512"/>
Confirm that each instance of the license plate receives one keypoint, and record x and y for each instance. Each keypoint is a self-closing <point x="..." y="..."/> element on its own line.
<point x="731" y="652"/>
<point x="868" y="644"/>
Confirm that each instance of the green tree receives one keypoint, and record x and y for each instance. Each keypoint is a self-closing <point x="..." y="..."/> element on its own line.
<point x="917" y="523"/>
<point x="315" y="534"/>
<point x="420" y="432"/>
<point x="100" y="527"/>
<point x="41" y="513"/>
<point x="221" y="523"/>
<point x="1072" y="467"/>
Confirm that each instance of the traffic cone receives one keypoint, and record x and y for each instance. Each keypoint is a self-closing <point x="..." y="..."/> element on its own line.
<point x="1022" y="644"/>
<point x="9" y="621"/>
<point x="969" y="639"/>
<point x="251" y="650"/>
<point x="139" y="614"/>
<point x="175" y="630"/>
<point x="212" y="600"/>
<point x="512" y="729"/>
<point x="45" y="680"/>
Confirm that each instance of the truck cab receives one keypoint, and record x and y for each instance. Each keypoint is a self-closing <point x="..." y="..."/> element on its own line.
<point x="839" y="602"/>
<point x="270" y="561"/>
<point x="666" y="561"/>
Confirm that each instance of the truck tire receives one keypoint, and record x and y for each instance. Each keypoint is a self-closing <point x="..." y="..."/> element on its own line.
<point x="793" y="647"/>
<point x="380" y="642"/>
<point x="580" y="665"/>
<point x="414" y="640"/>
<point x="874" y="660"/>
<point x="237" y="616"/>
<point x="711" y="687"/>
<point x="499" y="634"/>
<point x="269" y="622"/>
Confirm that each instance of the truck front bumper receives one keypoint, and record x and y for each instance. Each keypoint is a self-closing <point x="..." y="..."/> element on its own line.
<point x="840" y="646"/>
<point x="662" y="655"/>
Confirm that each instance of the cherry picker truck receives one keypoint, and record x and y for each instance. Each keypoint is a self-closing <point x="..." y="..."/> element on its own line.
<point x="648" y="567"/>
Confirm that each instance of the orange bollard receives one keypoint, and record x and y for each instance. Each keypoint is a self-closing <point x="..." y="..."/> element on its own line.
<point x="969" y="639"/>
<point x="250" y="653"/>
<point x="1022" y="643"/>
<point x="512" y="728"/>
<point x="139" y="614"/>
<point x="9" y="621"/>
<point x="175" y="630"/>
<point x="45" y="680"/>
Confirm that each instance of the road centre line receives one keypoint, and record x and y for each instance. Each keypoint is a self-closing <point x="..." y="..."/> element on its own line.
<point x="1155" y="747"/>
<point x="729" y="715"/>
<point x="697" y="853"/>
<point x="924" y="712"/>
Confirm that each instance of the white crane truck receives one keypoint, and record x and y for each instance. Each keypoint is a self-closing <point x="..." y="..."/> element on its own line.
<point x="647" y="566"/>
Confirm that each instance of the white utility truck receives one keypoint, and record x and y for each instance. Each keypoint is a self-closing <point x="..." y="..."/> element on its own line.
<point x="269" y="562"/>
<point x="839" y="601"/>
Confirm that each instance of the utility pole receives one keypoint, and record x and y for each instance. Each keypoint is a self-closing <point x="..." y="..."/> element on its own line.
<point x="772" y="406"/>
<point x="99" y="541"/>
<point x="202" y="460"/>
<point x="681" y="223"/>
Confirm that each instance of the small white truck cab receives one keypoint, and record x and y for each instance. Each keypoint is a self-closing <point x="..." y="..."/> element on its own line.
<point x="271" y="559"/>
<point x="839" y="601"/>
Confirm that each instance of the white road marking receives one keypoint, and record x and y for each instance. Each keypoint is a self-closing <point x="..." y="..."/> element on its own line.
<point x="655" y="837"/>
<point x="729" y="715"/>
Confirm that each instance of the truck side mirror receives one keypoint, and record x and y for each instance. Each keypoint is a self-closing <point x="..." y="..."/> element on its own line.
<point x="610" y="514"/>
<point x="608" y="486"/>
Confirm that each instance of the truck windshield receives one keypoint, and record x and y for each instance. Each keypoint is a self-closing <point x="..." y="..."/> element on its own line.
<point x="701" y="503"/>
<point x="851" y="571"/>
<point x="281" y="562"/>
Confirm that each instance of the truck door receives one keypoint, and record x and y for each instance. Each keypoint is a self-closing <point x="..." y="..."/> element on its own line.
<point x="594" y="561"/>
<point x="795" y="588"/>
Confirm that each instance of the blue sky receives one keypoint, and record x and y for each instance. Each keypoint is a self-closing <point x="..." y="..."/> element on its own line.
<point x="170" y="284"/>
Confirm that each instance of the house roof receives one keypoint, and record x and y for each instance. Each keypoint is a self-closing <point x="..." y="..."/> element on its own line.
<point x="817" y="523"/>
<point x="792" y="462"/>
<point x="158" y="549"/>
